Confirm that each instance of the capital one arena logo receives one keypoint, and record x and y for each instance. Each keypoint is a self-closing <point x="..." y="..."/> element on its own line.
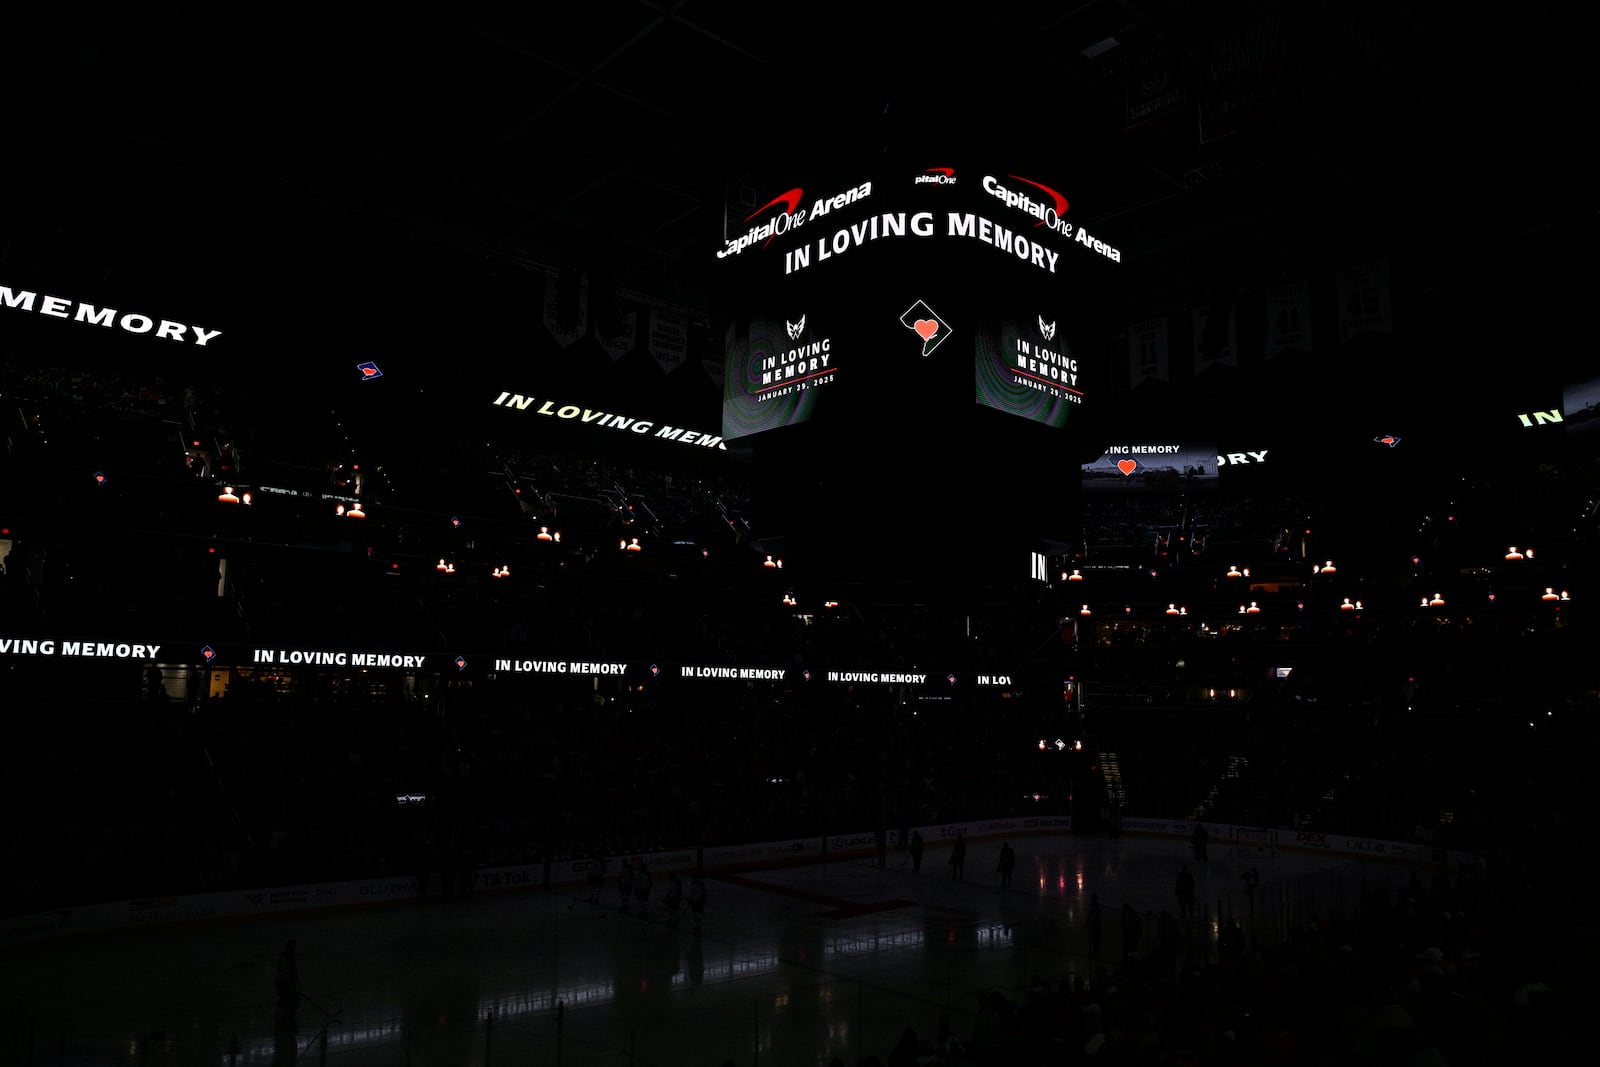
<point x="1048" y="212"/>
<point x="783" y="213"/>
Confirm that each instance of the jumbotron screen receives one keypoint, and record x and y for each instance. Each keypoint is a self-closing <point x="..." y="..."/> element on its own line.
<point x="908" y="283"/>
<point x="1153" y="466"/>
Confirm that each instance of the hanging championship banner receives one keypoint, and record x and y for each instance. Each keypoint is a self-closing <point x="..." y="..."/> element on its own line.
<point x="1223" y="355"/>
<point x="668" y="339"/>
<point x="1249" y="70"/>
<point x="1365" y="304"/>
<point x="620" y="343"/>
<point x="714" y="364"/>
<point x="1288" y="318"/>
<point x="1153" y="88"/>
<point x="565" y="335"/>
<point x="1147" y="352"/>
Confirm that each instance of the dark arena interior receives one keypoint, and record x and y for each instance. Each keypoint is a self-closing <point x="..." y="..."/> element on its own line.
<point x="473" y="475"/>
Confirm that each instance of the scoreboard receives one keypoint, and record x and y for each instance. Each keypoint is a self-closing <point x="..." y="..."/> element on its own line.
<point x="914" y="331"/>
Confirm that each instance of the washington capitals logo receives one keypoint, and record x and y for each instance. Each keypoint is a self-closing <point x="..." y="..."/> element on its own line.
<point x="1047" y="330"/>
<point x="795" y="328"/>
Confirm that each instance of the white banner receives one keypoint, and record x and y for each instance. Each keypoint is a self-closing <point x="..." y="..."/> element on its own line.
<point x="552" y="299"/>
<point x="715" y="364"/>
<point x="668" y="339"/>
<point x="621" y="343"/>
<point x="1288" y="319"/>
<point x="1365" y="305"/>
<point x="1147" y="353"/>
<point x="1226" y="356"/>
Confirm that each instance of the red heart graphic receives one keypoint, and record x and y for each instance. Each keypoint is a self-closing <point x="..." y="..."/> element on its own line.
<point x="926" y="328"/>
<point x="1127" y="466"/>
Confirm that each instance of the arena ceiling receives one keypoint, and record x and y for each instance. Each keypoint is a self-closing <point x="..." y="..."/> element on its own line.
<point x="418" y="171"/>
